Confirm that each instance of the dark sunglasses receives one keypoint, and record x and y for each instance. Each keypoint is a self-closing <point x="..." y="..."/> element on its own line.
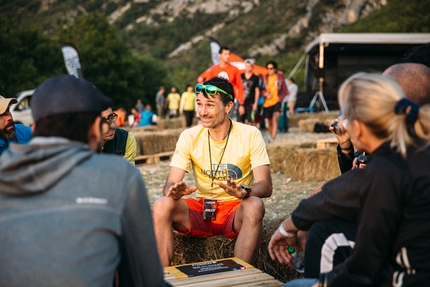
<point x="211" y="90"/>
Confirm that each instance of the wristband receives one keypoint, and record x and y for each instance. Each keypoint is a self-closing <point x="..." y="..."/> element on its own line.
<point x="285" y="233"/>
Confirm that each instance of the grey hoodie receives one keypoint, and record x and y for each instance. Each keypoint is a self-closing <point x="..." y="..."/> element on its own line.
<point x="71" y="217"/>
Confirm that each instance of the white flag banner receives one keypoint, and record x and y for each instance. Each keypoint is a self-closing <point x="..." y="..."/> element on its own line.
<point x="71" y="60"/>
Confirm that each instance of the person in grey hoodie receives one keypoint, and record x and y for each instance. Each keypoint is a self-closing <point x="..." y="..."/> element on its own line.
<point x="68" y="215"/>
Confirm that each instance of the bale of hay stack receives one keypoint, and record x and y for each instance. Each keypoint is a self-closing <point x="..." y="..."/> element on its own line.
<point x="156" y="141"/>
<point x="192" y="249"/>
<point x="321" y="117"/>
<point x="308" y="125"/>
<point x="304" y="164"/>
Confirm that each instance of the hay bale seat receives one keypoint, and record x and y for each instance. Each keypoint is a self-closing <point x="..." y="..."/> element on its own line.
<point x="303" y="162"/>
<point x="322" y="117"/>
<point x="192" y="249"/>
<point x="155" y="142"/>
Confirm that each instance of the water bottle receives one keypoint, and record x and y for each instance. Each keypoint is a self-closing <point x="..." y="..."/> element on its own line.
<point x="361" y="160"/>
<point x="298" y="259"/>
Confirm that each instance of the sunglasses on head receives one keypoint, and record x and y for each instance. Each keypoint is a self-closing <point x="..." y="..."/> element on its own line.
<point x="211" y="90"/>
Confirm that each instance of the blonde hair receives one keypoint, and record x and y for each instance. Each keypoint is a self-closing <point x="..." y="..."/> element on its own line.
<point x="371" y="99"/>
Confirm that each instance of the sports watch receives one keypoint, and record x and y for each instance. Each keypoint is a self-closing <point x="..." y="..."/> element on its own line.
<point x="247" y="191"/>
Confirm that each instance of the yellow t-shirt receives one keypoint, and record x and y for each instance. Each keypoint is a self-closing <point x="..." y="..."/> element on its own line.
<point x="188" y="101"/>
<point x="174" y="99"/>
<point x="272" y="88"/>
<point x="245" y="151"/>
<point x="130" y="148"/>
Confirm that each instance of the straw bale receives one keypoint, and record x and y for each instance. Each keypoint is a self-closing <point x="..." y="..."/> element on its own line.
<point x="322" y="117"/>
<point x="304" y="164"/>
<point x="307" y="125"/>
<point x="153" y="142"/>
<point x="192" y="249"/>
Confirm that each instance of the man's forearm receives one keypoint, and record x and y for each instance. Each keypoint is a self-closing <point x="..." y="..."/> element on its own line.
<point x="262" y="189"/>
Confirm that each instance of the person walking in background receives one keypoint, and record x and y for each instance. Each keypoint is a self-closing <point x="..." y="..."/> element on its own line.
<point x="227" y="71"/>
<point x="139" y="105"/>
<point x="274" y="91"/>
<point x="172" y="102"/>
<point x="188" y="105"/>
<point x="9" y="131"/>
<point x="251" y="93"/>
<point x="70" y="216"/>
<point x="292" y="96"/>
<point x="160" y="102"/>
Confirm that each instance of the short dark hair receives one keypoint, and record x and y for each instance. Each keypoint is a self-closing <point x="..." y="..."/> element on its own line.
<point x="274" y="64"/>
<point x="72" y="126"/>
<point x="223" y="84"/>
<point x="292" y="80"/>
<point x="419" y="54"/>
<point x="221" y="49"/>
<point x="187" y="86"/>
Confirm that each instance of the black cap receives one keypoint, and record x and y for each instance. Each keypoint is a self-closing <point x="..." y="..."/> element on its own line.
<point x="66" y="94"/>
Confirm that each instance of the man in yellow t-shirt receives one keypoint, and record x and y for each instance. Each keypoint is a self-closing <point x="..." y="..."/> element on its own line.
<point x="188" y="105"/>
<point x="173" y="99"/>
<point x="231" y="172"/>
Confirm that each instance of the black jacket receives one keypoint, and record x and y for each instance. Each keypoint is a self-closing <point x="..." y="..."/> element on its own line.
<point x="393" y="240"/>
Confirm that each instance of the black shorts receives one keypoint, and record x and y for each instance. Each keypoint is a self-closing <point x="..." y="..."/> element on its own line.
<point x="247" y="116"/>
<point x="269" y="111"/>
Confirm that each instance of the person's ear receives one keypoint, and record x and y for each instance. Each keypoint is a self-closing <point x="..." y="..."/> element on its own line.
<point x="228" y="107"/>
<point x="33" y="128"/>
<point x="94" y="134"/>
<point x="358" y="129"/>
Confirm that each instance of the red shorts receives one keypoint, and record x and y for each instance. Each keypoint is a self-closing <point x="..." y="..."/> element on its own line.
<point x="222" y="225"/>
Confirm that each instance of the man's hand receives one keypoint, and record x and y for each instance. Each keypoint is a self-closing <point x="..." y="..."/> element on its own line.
<point x="302" y="237"/>
<point x="278" y="247"/>
<point x="344" y="139"/>
<point x="241" y="110"/>
<point x="232" y="188"/>
<point x="180" y="189"/>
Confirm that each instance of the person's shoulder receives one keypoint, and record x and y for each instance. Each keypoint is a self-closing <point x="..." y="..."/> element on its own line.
<point x="194" y="130"/>
<point x="244" y="128"/>
<point x="121" y="131"/>
<point x="116" y="165"/>
<point x="23" y="132"/>
<point x="232" y="67"/>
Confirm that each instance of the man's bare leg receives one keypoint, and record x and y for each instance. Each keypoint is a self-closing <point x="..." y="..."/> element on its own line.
<point x="169" y="213"/>
<point x="248" y="222"/>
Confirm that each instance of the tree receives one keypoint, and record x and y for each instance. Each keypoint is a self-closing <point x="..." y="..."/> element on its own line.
<point x="109" y="63"/>
<point x="27" y="58"/>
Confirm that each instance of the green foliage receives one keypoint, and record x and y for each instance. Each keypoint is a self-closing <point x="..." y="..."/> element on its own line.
<point x="160" y="40"/>
<point x="109" y="63"/>
<point x="27" y="58"/>
<point x="395" y="17"/>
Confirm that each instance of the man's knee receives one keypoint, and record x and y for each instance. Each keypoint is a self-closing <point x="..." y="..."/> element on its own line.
<point x="164" y="207"/>
<point x="253" y="207"/>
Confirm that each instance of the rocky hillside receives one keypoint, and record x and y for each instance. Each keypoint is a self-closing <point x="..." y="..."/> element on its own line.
<point x="178" y="31"/>
<point x="172" y="28"/>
